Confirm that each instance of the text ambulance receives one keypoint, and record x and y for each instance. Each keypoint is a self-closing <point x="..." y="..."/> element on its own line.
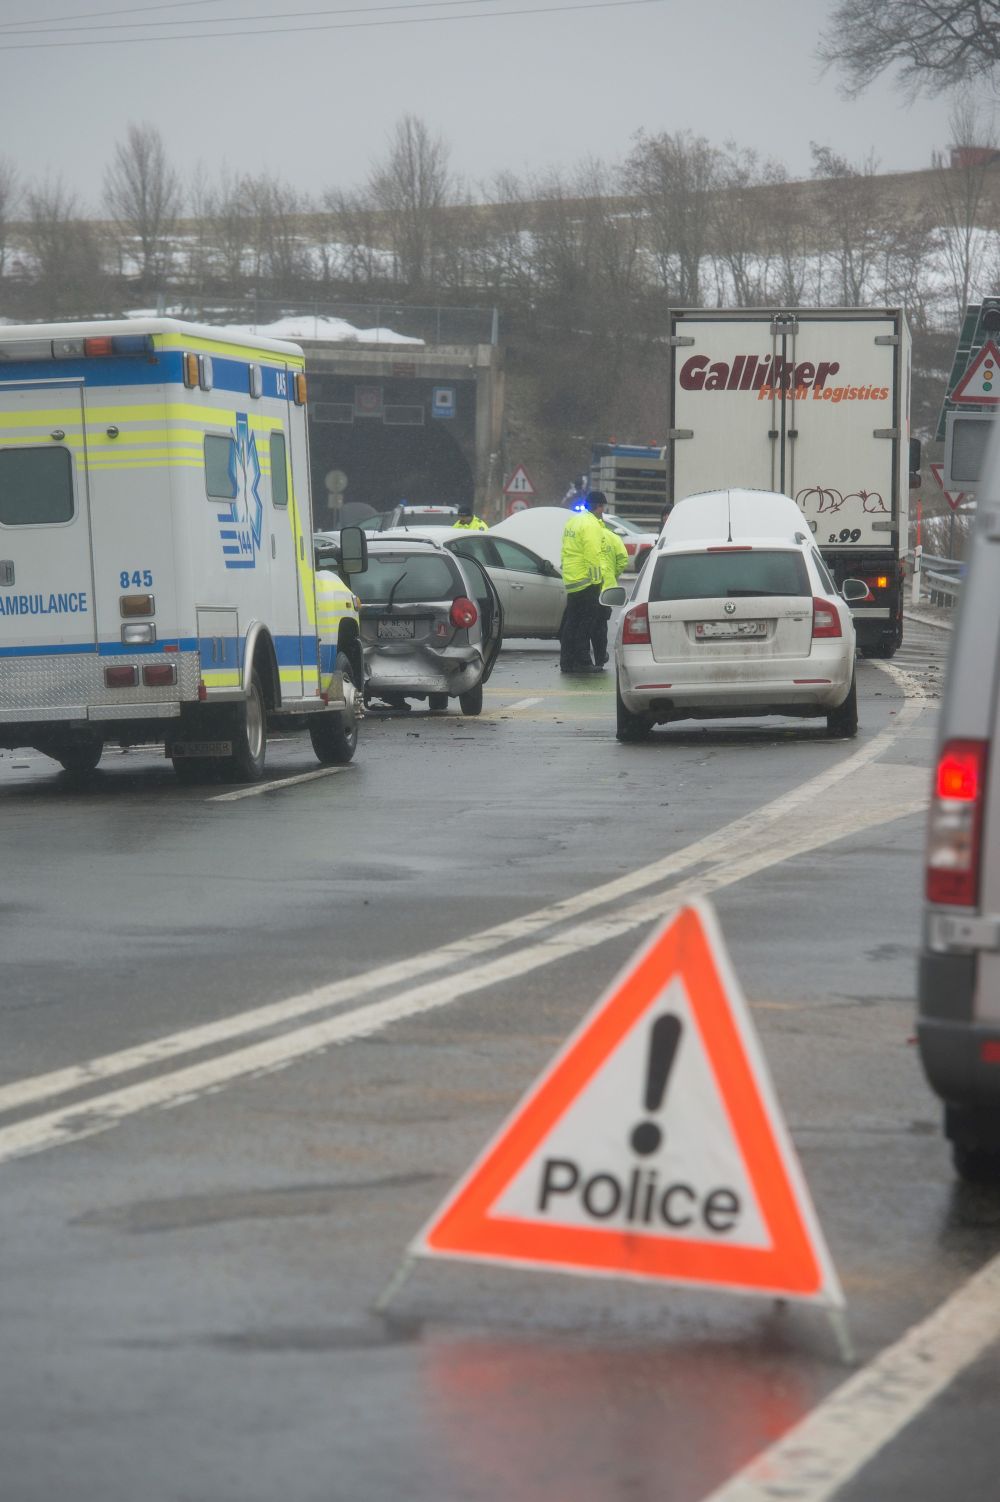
<point x="156" y="562"/>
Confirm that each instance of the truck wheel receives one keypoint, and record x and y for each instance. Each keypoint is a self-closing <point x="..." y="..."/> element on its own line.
<point x="335" y="736"/>
<point x="471" y="702"/>
<point x="246" y="764"/>
<point x="78" y="756"/>
<point x="843" y="721"/>
<point x="437" y="703"/>
<point x="630" y="727"/>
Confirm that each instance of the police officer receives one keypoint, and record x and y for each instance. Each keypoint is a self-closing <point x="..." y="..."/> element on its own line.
<point x="468" y="520"/>
<point x="582" y="572"/>
<point x="614" y="561"/>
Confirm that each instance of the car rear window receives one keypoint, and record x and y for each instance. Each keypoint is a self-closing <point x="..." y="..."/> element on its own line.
<point x="706" y="576"/>
<point x="425" y="577"/>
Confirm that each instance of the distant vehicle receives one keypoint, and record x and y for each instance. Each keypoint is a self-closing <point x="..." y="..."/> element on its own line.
<point x="633" y="476"/>
<point x="431" y="624"/>
<point x="958" y="1029"/>
<point x="735" y="615"/>
<point x="813" y="402"/>
<point x="414" y="516"/>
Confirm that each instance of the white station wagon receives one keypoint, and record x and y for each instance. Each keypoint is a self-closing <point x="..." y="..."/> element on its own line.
<point x="734" y="615"/>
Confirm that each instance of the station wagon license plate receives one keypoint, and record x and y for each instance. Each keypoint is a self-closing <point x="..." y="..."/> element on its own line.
<point x="395" y="628"/>
<point x="713" y="630"/>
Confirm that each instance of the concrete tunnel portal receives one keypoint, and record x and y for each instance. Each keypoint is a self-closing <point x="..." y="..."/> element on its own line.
<point x="425" y="429"/>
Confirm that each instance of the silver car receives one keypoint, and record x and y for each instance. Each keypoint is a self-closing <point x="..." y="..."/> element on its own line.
<point x="959" y="978"/>
<point x="431" y="624"/>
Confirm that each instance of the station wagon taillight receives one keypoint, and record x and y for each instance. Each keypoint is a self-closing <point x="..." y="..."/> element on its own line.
<point x="463" y="613"/>
<point x="635" y="627"/>
<point x="826" y="619"/>
<point x="954" y="831"/>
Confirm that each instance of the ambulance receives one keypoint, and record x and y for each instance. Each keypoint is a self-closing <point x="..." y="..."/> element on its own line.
<point x="157" y="580"/>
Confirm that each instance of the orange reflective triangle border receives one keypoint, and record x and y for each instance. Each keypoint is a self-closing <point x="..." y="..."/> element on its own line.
<point x="653" y="1145"/>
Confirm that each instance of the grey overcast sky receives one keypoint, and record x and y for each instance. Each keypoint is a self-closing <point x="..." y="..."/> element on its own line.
<point x="312" y="98"/>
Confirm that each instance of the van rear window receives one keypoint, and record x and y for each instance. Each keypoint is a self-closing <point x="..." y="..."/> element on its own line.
<point x="220" y="468"/>
<point x="707" y="576"/>
<point x="411" y="577"/>
<point x="36" y="487"/>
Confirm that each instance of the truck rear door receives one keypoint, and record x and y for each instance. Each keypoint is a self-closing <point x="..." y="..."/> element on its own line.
<point x="46" y="564"/>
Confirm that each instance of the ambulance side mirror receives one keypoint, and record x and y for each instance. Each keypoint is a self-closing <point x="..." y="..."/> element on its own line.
<point x="353" y="550"/>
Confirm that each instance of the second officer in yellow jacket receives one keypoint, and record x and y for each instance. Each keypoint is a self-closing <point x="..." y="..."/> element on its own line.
<point x="614" y="561"/>
<point x="582" y="571"/>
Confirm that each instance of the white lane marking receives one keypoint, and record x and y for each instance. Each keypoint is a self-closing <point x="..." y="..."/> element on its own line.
<point x="276" y="787"/>
<point x="827" y="1448"/>
<point x="518" y="704"/>
<point x="100" y="1113"/>
<point x="723" y="843"/>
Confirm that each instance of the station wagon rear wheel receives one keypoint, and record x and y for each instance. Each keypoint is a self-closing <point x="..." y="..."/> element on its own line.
<point x="843" y="721"/>
<point x="630" y="727"/>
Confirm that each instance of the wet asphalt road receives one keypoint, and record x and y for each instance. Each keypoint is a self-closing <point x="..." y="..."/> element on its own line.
<point x="189" y="1262"/>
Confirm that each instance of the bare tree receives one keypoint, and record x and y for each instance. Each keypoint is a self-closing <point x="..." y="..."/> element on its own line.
<point x="853" y="216"/>
<point x="280" y="257"/>
<point x="503" y="252"/>
<point x="143" y="197"/>
<point x="673" y="177"/>
<point x="411" y="188"/>
<point x="65" y="255"/>
<point x="935" y="44"/>
<point x="958" y="196"/>
<point x="743" y="245"/>
<point x="9" y="197"/>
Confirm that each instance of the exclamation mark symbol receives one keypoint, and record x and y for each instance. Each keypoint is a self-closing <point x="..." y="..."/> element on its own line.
<point x="664" y="1038"/>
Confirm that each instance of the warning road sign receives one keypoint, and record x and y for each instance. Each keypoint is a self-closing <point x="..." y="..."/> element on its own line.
<point x="519" y="483"/>
<point x="652" y="1147"/>
<point x="979" y="385"/>
<point x="953" y="497"/>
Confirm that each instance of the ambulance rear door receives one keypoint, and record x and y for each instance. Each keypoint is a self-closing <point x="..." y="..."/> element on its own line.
<point x="47" y="592"/>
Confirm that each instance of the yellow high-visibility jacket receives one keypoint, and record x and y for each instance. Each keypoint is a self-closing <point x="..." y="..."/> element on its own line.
<point x="582" y="551"/>
<point x="614" y="555"/>
<point x="474" y="524"/>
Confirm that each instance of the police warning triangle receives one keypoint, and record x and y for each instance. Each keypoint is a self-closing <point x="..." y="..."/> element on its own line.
<point x="652" y="1146"/>
<point x="979" y="383"/>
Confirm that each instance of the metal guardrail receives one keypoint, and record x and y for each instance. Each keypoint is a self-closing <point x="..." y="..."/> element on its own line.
<point x="939" y="580"/>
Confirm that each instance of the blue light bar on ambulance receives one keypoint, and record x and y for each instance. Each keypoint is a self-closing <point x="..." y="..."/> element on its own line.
<point x="76" y="349"/>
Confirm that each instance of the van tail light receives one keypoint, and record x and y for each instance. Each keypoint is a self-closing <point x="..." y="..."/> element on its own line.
<point x="826" y="619"/>
<point x="955" y="827"/>
<point x="635" y="627"/>
<point x="463" y="613"/>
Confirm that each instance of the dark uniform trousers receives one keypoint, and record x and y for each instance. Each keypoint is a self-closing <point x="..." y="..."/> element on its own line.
<point x="577" y="628"/>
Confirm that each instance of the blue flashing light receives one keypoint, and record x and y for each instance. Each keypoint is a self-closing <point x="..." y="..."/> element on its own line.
<point x="132" y="344"/>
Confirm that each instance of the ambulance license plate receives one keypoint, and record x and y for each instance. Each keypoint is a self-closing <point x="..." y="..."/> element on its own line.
<point x="182" y="749"/>
<point x="395" y="628"/>
<point x="713" y="630"/>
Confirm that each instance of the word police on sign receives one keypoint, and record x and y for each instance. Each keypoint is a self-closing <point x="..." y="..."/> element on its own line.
<point x="652" y="1147"/>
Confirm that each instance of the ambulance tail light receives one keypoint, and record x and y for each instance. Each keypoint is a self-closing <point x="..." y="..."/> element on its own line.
<point x="955" y="827"/>
<point x="133" y="605"/>
<point x="826" y="620"/>
<point x="300" y="390"/>
<point x="635" y="627"/>
<point x="125" y="675"/>
<point x="463" y="613"/>
<point x="189" y="364"/>
<point x="159" y="674"/>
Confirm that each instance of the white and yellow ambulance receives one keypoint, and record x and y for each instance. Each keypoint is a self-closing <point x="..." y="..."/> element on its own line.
<point x="156" y="562"/>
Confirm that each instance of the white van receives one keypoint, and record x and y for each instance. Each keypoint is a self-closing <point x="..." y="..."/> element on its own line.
<point x="959" y="977"/>
<point x="156" y="557"/>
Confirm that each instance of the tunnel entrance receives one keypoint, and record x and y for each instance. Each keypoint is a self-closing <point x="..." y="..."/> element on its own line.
<point x="380" y="442"/>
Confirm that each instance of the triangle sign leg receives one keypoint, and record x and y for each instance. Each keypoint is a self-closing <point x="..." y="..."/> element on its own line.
<point x="652" y="1146"/>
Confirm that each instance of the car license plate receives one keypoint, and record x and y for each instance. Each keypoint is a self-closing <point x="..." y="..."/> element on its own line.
<point x="713" y="630"/>
<point x="395" y="628"/>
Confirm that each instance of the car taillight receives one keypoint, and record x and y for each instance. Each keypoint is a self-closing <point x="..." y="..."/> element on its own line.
<point x="635" y="626"/>
<point x="826" y="619"/>
<point x="955" y="823"/>
<point x="463" y="613"/>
